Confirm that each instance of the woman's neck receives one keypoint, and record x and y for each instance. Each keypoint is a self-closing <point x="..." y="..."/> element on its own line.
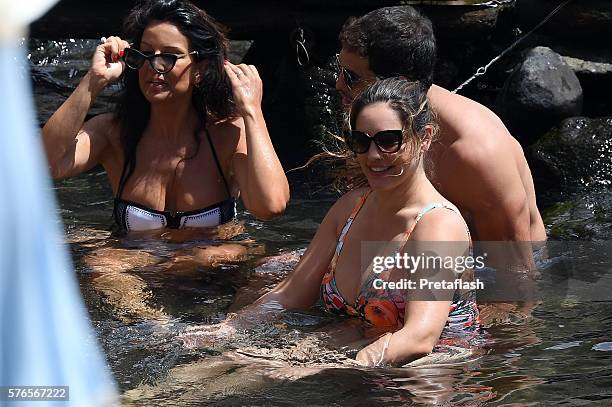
<point x="173" y="123"/>
<point x="414" y="191"/>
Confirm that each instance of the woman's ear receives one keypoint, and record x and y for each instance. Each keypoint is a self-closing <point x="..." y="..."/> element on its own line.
<point x="197" y="78"/>
<point x="198" y="73"/>
<point x="427" y="138"/>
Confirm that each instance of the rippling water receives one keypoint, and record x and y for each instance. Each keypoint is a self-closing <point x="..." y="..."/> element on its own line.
<point x="142" y="294"/>
<point x="561" y="354"/>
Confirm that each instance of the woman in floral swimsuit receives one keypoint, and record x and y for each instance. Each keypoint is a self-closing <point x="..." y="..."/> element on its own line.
<point x="389" y="128"/>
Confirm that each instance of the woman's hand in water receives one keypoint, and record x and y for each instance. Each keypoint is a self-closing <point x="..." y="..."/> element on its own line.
<point x="247" y="87"/>
<point x="248" y="318"/>
<point x="106" y="63"/>
<point x="374" y="354"/>
<point x="207" y="335"/>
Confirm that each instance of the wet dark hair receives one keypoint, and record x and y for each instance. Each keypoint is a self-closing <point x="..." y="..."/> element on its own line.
<point x="213" y="97"/>
<point x="398" y="41"/>
<point x="408" y="100"/>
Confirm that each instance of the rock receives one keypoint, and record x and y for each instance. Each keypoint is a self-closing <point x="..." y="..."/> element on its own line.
<point x="577" y="153"/>
<point x="543" y="87"/>
<point x="585" y="216"/>
<point x="458" y="22"/>
<point x="593" y="67"/>
<point x="581" y="67"/>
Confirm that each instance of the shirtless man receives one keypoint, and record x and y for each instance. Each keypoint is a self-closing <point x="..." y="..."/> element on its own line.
<point x="477" y="164"/>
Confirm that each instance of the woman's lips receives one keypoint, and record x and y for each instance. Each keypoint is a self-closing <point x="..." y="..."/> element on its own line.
<point x="379" y="169"/>
<point x="158" y="85"/>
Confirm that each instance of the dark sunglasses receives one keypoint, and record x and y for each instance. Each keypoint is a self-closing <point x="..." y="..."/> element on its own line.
<point x="350" y="77"/>
<point x="161" y="63"/>
<point x="387" y="141"/>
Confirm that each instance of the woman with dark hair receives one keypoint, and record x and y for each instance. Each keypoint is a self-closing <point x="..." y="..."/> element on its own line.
<point x="393" y="212"/>
<point x="188" y="135"/>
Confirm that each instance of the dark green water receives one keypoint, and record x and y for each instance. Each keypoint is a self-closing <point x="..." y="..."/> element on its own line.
<point x="560" y="356"/>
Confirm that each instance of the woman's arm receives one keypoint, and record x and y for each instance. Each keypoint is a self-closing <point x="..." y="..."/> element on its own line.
<point x="71" y="146"/>
<point x="299" y="290"/>
<point x="263" y="185"/>
<point x="424" y="323"/>
<point x="441" y="233"/>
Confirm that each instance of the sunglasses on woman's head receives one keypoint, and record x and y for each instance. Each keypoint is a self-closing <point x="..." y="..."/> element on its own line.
<point x="387" y="141"/>
<point x="161" y="63"/>
<point x="350" y="77"/>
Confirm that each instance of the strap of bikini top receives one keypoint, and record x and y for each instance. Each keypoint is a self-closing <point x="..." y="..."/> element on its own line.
<point x="214" y="153"/>
<point x="359" y="205"/>
<point x="352" y="216"/>
<point x="435" y="205"/>
<point x="421" y="213"/>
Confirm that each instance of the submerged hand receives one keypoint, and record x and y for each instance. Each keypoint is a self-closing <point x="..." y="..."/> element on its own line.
<point x="207" y="335"/>
<point x="247" y="87"/>
<point x="248" y="318"/>
<point x="374" y="354"/>
<point x="106" y="63"/>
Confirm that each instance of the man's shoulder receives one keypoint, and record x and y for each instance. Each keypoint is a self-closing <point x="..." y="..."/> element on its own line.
<point x="468" y="173"/>
<point x="465" y="118"/>
<point x="444" y="100"/>
<point x="475" y="162"/>
<point x="475" y="154"/>
<point x="471" y="132"/>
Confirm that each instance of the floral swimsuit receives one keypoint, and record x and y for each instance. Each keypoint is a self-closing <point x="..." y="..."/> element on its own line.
<point x="386" y="311"/>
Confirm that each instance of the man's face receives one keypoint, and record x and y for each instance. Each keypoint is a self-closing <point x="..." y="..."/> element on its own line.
<point x="354" y="75"/>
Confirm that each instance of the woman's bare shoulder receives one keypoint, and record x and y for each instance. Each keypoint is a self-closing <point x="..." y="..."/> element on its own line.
<point x="441" y="224"/>
<point x="347" y="202"/>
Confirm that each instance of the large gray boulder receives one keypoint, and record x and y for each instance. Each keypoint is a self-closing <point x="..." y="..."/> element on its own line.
<point x="539" y="94"/>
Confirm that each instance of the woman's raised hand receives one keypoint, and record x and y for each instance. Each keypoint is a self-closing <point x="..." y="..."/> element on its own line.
<point x="247" y="87"/>
<point x="106" y="63"/>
